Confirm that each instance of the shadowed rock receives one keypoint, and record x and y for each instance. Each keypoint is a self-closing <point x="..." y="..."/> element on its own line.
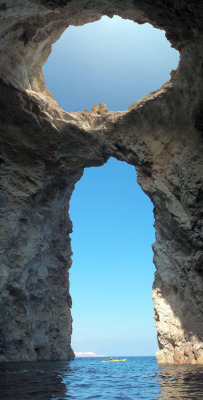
<point x="44" y="151"/>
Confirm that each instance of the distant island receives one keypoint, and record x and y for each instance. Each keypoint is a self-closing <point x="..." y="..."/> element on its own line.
<point x="87" y="354"/>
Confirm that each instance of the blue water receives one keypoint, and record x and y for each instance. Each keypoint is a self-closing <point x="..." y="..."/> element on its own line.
<point x="88" y="378"/>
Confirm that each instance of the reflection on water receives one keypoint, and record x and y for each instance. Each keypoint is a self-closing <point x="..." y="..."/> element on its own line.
<point x="181" y="381"/>
<point x="137" y="378"/>
<point x="37" y="381"/>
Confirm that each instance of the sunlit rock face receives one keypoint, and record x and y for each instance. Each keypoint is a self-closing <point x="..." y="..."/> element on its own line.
<point x="44" y="151"/>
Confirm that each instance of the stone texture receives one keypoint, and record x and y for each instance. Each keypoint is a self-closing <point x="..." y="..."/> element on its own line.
<point x="44" y="151"/>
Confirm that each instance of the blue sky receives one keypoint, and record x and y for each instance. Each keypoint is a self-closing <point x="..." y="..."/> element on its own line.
<point x="112" y="272"/>
<point x="117" y="62"/>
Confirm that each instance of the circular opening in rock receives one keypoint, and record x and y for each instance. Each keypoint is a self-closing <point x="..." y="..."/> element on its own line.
<point x="113" y="61"/>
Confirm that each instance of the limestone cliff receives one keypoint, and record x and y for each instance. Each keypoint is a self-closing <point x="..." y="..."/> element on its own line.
<point x="44" y="151"/>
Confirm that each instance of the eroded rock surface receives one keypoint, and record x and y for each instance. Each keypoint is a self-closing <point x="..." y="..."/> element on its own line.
<point x="44" y="151"/>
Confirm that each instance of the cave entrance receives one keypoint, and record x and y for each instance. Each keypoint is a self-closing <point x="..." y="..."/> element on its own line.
<point x="44" y="151"/>
<point x="114" y="61"/>
<point x="112" y="274"/>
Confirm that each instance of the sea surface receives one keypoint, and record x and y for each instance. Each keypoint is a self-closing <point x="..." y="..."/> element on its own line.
<point x="88" y="378"/>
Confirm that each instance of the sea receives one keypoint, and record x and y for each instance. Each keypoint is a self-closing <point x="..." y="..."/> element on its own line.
<point x="88" y="378"/>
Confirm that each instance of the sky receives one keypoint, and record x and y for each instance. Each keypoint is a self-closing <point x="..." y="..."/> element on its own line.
<point x="117" y="62"/>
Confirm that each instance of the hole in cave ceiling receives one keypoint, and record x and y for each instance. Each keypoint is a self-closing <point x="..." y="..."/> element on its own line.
<point x="113" y="61"/>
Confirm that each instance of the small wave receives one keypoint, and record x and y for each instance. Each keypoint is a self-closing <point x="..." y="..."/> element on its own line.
<point x="82" y="379"/>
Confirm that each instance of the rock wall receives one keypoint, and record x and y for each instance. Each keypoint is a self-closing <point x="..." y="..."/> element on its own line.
<point x="44" y="151"/>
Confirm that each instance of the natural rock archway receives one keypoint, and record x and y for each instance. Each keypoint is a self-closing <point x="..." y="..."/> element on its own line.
<point x="44" y="151"/>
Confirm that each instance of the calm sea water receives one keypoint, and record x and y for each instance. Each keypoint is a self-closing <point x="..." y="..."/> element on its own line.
<point x="88" y="378"/>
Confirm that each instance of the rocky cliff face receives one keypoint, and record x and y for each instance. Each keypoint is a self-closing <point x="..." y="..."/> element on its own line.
<point x="44" y="151"/>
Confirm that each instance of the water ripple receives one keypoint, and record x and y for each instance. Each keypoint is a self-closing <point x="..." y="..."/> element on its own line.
<point x="88" y="378"/>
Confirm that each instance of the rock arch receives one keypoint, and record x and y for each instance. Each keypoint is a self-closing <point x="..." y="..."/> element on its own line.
<point x="44" y="151"/>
